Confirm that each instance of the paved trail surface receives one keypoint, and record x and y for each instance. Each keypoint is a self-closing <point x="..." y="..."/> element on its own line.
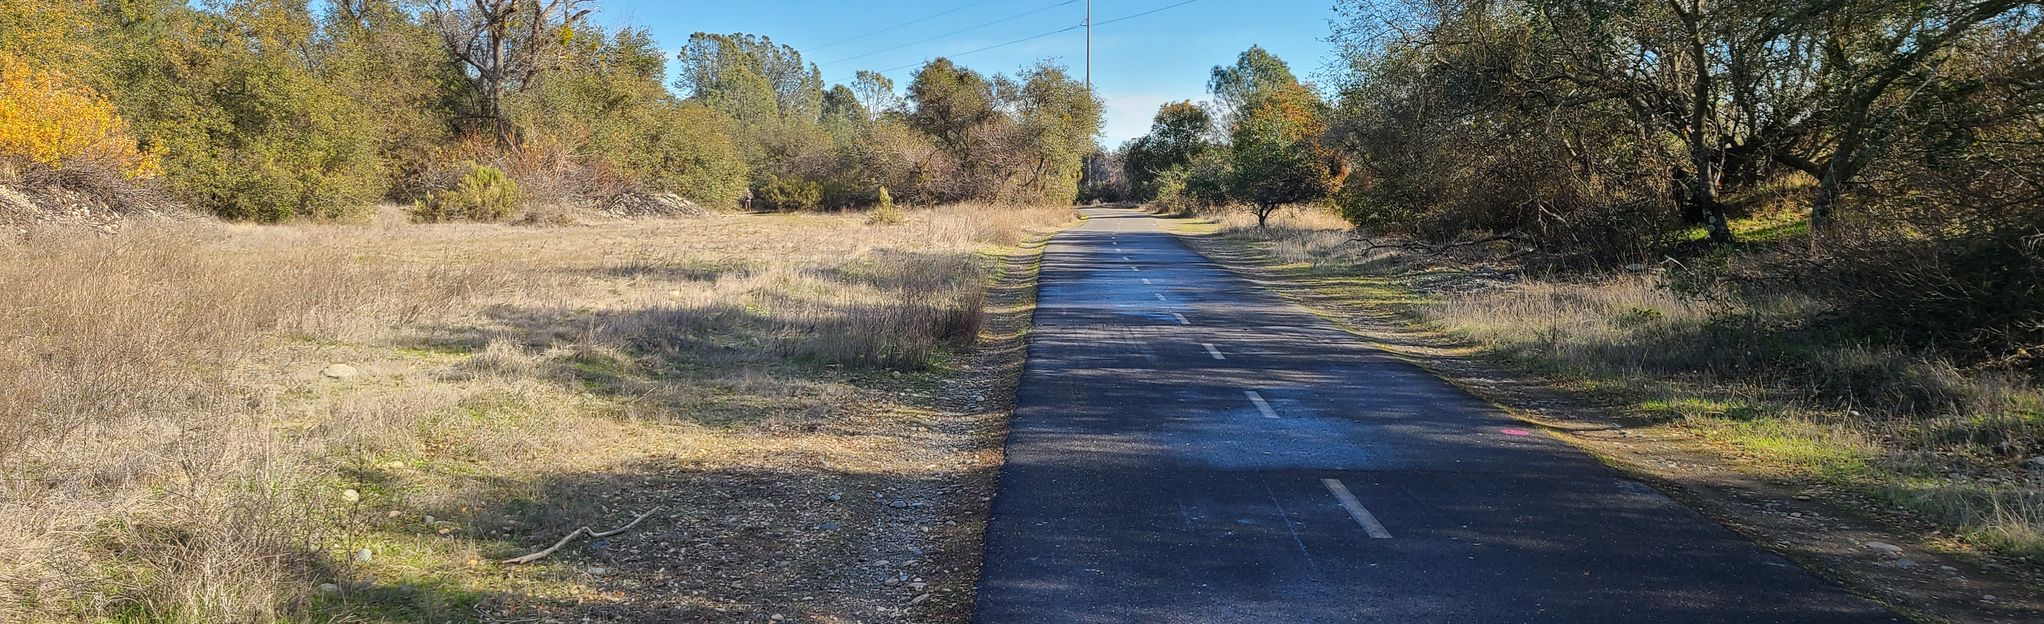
<point x="1190" y="447"/>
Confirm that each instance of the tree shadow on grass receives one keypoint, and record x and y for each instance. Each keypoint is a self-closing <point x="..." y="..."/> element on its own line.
<point x="722" y="546"/>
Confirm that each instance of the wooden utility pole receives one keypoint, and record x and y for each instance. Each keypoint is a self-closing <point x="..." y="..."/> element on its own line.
<point x="1089" y="46"/>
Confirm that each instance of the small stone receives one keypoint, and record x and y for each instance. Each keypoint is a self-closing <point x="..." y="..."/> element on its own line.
<point x="1886" y="548"/>
<point x="777" y="617"/>
<point x="329" y="588"/>
<point x="599" y="571"/>
<point x="918" y="599"/>
<point x="393" y="513"/>
<point x="1987" y="597"/>
<point x="429" y="519"/>
<point x="1905" y="563"/>
<point x="830" y="526"/>
<point x="351" y="495"/>
<point x="918" y="586"/>
<point x="891" y="581"/>
<point x="2034" y="464"/>
<point x="834" y="497"/>
<point x="900" y="504"/>
<point x="339" y="371"/>
<point x="364" y="555"/>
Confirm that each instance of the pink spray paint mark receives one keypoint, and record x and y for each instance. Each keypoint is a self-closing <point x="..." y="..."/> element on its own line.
<point x="1516" y="432"/>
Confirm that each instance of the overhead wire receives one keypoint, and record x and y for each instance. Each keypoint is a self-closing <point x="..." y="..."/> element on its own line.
<point x="961" y="30"/>
<point x="1021" y="40"/>
<point x="1155" y="10"/>
<point x="912" y="22"/>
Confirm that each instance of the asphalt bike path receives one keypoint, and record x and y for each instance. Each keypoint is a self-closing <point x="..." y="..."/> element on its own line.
<point x="1188" y="446"/>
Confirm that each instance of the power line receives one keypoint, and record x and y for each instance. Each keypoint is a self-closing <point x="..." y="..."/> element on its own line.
<point x="912" y="22"/>
<point x="1155" y="10"/>
<point x="1040" y="36"/>
<point x="961" y="30"/>
<point x="997" y="45"/>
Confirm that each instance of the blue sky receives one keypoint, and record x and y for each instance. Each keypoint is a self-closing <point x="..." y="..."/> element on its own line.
<point x="1138" y="64"/>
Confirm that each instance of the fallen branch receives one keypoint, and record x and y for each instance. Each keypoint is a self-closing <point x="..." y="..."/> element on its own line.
<point x="578" y="533"/>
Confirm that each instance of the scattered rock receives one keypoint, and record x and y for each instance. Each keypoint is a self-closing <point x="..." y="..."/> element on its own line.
<point x="339" y="371"/>
<point x="834" y="497"/>
<point x="1886" y="548"/>
<point x="351" y="495"/>
<point x="429" y="519"/>
<point x="364" y="555"/>
<point x="599" y="571"/>
<point x="2034" y="464"/>
<point x="329" y="588"/>
<point x="900" y="504"/>
<point x="1987" y="597"/>
<point x="1905" y="562"/>
<point x="919" y="599"/>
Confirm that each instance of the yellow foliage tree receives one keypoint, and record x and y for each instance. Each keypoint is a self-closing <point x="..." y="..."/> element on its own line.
<point x="47" y="118"/>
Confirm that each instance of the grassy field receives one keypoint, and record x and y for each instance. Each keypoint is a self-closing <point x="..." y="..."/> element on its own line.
<point x="208" y="422"/>
<point x="1913" y="433"/>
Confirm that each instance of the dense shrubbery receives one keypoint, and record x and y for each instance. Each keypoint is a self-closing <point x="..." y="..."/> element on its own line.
<point x="1892" y="148"/>
<point x="278" y="109"/>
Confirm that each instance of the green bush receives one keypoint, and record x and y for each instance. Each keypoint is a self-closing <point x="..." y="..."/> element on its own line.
<point x="790" y="194"/>
<point x="886" y="213"/>
<point x="484" y="194"/>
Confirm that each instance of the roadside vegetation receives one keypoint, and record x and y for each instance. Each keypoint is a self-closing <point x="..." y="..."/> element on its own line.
<point x="282" y="110"/>
<point x="355" y="423"/>
<point x="1907" y="429"/>
<point x="1812" y="232"/>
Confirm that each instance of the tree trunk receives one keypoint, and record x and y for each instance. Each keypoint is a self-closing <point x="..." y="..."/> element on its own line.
<point x="1827" y="197"/>
<point x="1703" y="188"/>
<point x="1263" y="215"/>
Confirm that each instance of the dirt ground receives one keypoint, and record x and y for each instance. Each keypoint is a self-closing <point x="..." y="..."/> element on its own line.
<point x="803" y="542"/>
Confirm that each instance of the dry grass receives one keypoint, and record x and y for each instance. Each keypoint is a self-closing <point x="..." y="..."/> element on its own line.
<point x="1904" y="427"/>
<point x="171" y="451"/>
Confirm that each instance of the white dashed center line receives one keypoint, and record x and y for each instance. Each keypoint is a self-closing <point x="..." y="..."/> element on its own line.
<point x="1355" y="509"/>
<point x="1134" y="268"/>
<point x="1146" y="280"/>
<point x="1261" y="405"/>
<point x="1181" y="318"/>
<point x="1125" y="259"/>
<point x="1213" y="351"/>
<point x="1160" y="296"/>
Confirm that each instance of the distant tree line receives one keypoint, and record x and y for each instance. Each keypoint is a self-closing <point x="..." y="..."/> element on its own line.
<point x="270" y="110"/>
